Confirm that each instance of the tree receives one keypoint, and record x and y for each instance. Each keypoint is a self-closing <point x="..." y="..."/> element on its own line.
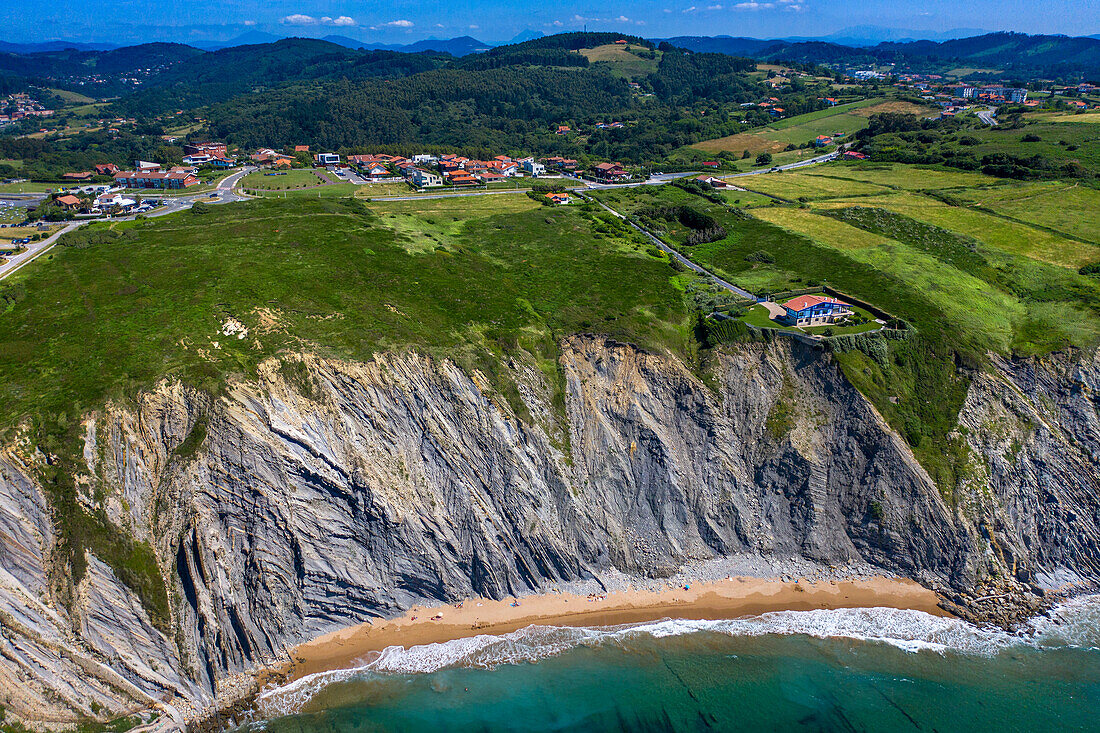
<point x="764" y="158"/>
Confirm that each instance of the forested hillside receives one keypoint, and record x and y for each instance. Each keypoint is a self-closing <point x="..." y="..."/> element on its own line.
<point x="221" y="75"/>
<point x="507" y="99"/>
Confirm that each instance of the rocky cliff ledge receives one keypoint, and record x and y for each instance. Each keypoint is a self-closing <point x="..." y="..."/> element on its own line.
<point x="325" y="493"/>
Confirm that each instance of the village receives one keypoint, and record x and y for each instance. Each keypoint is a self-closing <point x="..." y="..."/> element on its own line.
<point x="107" y="190"/>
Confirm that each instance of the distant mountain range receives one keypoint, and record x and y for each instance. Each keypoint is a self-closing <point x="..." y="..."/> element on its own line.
<point x="23" y="48"/>
<point x="870" y="35"/>
<point x="1010" y="52"/>
<point x="854" y="37"/>
<point x="182" y="76"/>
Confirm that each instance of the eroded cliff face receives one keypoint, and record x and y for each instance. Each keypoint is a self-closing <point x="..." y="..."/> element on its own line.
<point x="326" y="493"/>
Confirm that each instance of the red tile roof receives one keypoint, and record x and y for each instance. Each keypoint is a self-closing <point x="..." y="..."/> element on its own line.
<point x="803" y="302"/>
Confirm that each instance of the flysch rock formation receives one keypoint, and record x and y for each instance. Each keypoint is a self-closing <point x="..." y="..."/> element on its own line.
<point x="323" y="495"/>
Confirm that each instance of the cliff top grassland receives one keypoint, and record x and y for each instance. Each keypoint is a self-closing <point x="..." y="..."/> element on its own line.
<point x="122" y="305"/>
<point x="949" y="252"/>
<point x="211" y="292"/>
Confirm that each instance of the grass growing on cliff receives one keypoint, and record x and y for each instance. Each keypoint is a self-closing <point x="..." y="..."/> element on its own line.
<point x="964" y="295"/>
<point x="118" y="309"/>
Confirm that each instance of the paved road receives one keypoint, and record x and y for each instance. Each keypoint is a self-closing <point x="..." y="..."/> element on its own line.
<point x="683" y="260"/>
<point x="988" y="116"/>
<point x="35" y="249"/>
<point x="224" y="190"/>
<point x="226" y="194"/>
<point x="173" y="204"/>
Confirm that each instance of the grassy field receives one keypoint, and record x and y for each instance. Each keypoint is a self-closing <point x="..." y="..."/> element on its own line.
<point x="621" y="62"/>
<point x="905" y="177"/>
<point x="71" y="97"/>
<point x="773" y="138"/>
<point x="1055" y="142"/>
<point x="153" y="296"/>
<point x="10" y="233"/>
<point x="28" y="187"/>
<point x="821" y="229"/>
<point x="964" y="280"/>
<point x="383" y="189"/>
<point x="745" y="198"/>
<point x="292" y="179"/>
<point x="792" y="185"/>
<point x="993" y="231"/>
<point x="1085" y="117"/>
<point x="1069" y="208"/>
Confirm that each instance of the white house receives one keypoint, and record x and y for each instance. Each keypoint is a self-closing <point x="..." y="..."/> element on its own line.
<point x="424" y="178"/>
<point x="531" y="167"/>
<point x="425" y="159"/>
<point x="327" y="158"/>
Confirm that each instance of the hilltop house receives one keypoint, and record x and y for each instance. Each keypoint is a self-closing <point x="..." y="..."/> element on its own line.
<point x="106" y="169"/>
<point x="326" y="159"/>
<point x="814" y="310"/>
<point x="822" y="140"/>
<point x="559" y="198"/>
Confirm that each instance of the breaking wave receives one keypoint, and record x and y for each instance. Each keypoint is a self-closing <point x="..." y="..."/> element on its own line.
<point x="1074" y="624"/>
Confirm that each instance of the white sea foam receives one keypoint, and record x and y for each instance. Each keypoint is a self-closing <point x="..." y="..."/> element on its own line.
<point x="1075" y="624"/>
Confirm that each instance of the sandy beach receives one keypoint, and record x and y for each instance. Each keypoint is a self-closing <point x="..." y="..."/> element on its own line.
<point x="721" y="599"/>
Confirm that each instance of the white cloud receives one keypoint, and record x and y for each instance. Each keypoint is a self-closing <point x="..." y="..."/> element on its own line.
<point x="250" y="22"/>
<point x="795" y="8"/>
<point x="714" y="7"/>
<point x="622" y="19"/>
<point x="692" y="9"/>
<point x="557" y="24"/>
<point x="753" y="6"/>
<point x="301" y="19"/>
<point x="474" y="27"/>
<point x="393" y="24"/>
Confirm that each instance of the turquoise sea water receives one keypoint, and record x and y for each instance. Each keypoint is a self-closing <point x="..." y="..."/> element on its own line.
<point x="848" y="670"/>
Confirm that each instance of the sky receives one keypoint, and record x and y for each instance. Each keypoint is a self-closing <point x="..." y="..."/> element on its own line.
<point x="494" y="21"/>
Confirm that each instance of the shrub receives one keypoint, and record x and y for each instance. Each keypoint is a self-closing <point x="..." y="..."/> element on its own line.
<point x="1091" y="270"/>
<point x="761" y="255"/>
<point x="764" y="158"/>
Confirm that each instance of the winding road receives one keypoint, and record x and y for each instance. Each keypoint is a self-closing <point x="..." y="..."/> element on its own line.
<point x="226" y="193"/>
<point x="172" y="204"/>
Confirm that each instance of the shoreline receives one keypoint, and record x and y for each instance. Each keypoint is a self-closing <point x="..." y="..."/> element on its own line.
<point x="728" y="598"/>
